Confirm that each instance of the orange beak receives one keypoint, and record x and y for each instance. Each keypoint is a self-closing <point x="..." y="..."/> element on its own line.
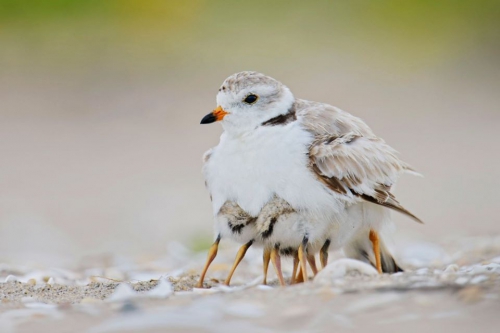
<point x="216" y="115"/>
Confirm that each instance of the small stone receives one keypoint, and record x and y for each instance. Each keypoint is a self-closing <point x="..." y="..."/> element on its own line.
<point x="481" y="269"/>
<point x="11" y="278"/>
<point x="478" y="279"/>
<point x="452" y="268"/>
<point x="342" y="267"/>
<point x="123" y="292"/>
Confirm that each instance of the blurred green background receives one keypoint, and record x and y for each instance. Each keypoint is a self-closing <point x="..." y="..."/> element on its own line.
<point x="100" y="103"/>
<point x="154" y="37"/>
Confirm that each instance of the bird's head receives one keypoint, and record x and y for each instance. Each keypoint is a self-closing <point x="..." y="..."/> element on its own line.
<point x="247" y="100"/>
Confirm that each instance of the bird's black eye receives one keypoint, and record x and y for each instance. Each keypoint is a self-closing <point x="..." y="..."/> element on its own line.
<point x="250" y="99"/>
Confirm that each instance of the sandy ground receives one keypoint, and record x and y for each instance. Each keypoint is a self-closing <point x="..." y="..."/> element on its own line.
<point x="454" y="286"/>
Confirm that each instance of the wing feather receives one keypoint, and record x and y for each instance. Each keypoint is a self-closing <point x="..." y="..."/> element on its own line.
<point x="349" y="159"/>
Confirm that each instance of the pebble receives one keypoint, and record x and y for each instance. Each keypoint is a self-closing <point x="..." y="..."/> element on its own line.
<point x="123" y="292"/>
<point x="11" y="278"/>
<point x="478" y="279"/>
<point x="341" y="268"/>
<point x="490" y="268"/>
<point x="451" y="268"/>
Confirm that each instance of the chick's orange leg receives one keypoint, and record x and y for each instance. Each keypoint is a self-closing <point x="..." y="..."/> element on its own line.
<point x="239" y="256"/>
<point x="376" y="249"/>
<point x="312" y="262"/>
<point x="276" y="260"/>
<point x="303" y="258"/>
<point x="266" y="258"/>
<point x="300" y="276"/>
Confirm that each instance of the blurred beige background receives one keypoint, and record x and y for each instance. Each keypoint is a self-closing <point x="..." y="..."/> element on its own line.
<point x="100" y="103"/>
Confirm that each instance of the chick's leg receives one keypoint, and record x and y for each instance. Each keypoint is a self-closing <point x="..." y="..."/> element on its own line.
<point x="303" y="257"/>
<point x="239" y="256"/>
<point x="276" y="260"/>
<point x="266" y="258"/>
<point x="312" y="262"/>
<point x="376" y="250"/>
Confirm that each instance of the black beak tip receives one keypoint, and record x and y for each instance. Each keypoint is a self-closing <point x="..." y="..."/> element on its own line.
<point x="208" y="119"/>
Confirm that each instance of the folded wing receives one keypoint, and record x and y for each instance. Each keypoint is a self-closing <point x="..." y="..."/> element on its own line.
<point x="355" y="163"/>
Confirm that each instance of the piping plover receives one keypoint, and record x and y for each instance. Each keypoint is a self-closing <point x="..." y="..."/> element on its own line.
<point x="297" y="177"/>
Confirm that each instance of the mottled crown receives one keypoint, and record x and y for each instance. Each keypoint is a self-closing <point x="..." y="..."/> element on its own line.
<point x="243" y="80"/>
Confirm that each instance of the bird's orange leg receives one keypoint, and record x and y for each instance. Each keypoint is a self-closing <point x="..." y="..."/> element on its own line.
<point x="212" y="253"/>
<point x="266" y="258"/>
<point x="300" y="276"/>
<point x="303" y="258"/>
<point x="276" y="260"/>
<point x="312" y="262"/>
<point x="239" y="256"/>
<point x="376" y="250"/>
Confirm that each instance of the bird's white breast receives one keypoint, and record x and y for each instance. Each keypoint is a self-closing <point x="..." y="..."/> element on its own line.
<point x="250" y="169"/>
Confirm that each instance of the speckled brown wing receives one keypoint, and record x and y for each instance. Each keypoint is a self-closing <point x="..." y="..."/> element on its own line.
<point x="349" y="159"/>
